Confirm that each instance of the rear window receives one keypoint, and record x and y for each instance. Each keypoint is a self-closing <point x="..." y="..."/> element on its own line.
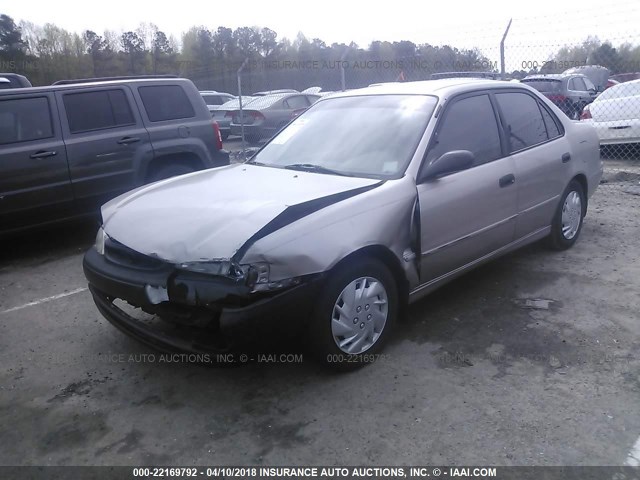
<point x="545" y="86"/>
<point x="166" y="102"/>
<point x="622" y="90"/>
<point x="97" y="110"/>
<point x="25" y="119"/>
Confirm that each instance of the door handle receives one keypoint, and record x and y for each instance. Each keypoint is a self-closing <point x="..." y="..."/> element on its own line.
<point x="507" y="180"/>
<point x="43" y="154"/>
<point x="128" y="140"/>
<point x="566" y="157"/>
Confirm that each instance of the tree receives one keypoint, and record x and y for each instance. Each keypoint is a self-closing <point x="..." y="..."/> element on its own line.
<point x="12" y="45"/>
<point x="133" y="47"/>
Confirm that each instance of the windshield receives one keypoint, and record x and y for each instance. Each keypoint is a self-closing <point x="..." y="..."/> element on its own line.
<point x="370" y="136"/>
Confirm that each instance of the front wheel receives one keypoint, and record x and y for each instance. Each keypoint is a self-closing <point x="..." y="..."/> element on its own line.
<point x="567" y="222"/>
<point x="354" y="315"/>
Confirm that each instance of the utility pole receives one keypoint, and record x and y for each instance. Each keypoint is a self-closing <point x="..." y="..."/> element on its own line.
<point x="246" y="60"/>
<point x="504" y="37"/>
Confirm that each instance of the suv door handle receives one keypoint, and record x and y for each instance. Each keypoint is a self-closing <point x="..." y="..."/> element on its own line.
<point x="566" y="157"/>
<point x="507" y="180"/>
<point x="43" y="154"/>
<point x="128" y="140"/>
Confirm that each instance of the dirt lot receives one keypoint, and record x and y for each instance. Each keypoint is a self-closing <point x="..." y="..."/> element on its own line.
<point x="531" y="360"/>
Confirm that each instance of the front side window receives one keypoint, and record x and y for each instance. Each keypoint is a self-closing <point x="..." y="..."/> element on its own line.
<point x="372" y="136"/>
<point x="166" y="102"/>
<point x="25" y="119"/>
<point x="98" y="110"/>
<point x="469" y="124"/>
<point x="523" y="120"/>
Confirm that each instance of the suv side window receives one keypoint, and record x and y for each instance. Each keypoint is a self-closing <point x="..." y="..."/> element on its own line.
<point x="296" y="102"/>
<point x="523" y="120"/>
<point x="97" y="110"/>
<point x="166" y="102"/>
<point x="577" y="84"/>
<point x="25" y="119"/>
<point x="469" y="124"/>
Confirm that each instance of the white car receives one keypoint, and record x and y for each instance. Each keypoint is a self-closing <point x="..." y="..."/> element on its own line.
<point x="616" y="114"/>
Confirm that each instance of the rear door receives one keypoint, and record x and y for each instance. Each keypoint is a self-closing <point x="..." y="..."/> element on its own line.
<point x="469" y="214"/>
<point x="34" y="178"/>
<point x="541" y="155"/>
<point x="106" y="142"/>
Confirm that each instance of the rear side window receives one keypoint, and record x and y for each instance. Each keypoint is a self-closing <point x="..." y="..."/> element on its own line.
<point x="166" y="102"/>
<point x="25" y="119"/>
<point x="88" y="111"/>
<point x="469" y="124"/>
<point x="551" y="123"/>
<point x="523" y="120"/>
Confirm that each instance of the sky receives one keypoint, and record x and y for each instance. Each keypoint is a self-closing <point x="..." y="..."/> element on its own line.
<point x="544" y="24"/>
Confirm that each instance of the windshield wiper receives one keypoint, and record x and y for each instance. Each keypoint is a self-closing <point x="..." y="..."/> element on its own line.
<point x="310" y="167"/>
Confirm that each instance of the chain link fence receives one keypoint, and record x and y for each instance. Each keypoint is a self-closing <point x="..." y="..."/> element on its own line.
<point x="593" y="78"/>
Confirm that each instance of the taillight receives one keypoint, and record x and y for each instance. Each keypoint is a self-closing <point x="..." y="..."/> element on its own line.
<point x="557" y="98"/>
<point x="216" y="130"/>
<point x="586" y="113"/>
<point x="256" y="115"/>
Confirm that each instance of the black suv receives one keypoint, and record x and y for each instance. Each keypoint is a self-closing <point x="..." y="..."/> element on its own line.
<point x="570" y="92"/>
<point x="66" y="149"/>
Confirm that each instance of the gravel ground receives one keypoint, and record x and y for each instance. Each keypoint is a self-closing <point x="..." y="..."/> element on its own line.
<point x="531" y="360"/>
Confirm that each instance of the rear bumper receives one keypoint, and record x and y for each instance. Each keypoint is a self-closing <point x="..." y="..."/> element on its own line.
<point x="246" y="322"/>
<point x="254" y="130"/>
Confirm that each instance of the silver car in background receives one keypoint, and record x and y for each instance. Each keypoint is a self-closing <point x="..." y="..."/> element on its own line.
<point x="265" y="116"/>
<point x="367" y="201"/>
<point x="223" y="113"/>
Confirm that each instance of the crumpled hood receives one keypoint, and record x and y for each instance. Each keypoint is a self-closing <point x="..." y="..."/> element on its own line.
<point x="211" y="214"/>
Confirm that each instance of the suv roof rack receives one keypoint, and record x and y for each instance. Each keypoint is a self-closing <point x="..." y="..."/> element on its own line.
<point x="106" y="79"/>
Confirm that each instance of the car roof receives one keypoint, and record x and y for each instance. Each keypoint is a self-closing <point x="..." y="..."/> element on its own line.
<point x="72" y="86"/>
<point x="213" y="92"/>
<point x="442" y="87"/>
<point x="553" y="76"/>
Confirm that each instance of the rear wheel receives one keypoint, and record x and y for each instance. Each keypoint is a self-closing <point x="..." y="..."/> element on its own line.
<point x="567" y="222"/>
<point x="224" y="135"/>
<point x="354" y="315"/>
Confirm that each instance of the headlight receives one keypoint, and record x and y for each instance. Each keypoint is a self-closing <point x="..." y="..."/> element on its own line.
<point x="100" y="239"/>
<point x="256" y="275"/>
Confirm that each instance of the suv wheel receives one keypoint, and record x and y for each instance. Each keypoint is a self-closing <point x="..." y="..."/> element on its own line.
<point x="169" y="171"/>
<point x="354" y="315"/>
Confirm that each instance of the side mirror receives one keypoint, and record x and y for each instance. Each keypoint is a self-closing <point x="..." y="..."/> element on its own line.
<point x="450" y="162"/>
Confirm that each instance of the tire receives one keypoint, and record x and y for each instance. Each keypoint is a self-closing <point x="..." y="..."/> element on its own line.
<point x="569" y="217"/>
<point x="169" y="171"/>
<point x="224" y="135"/>
<point x="326" y="329"/>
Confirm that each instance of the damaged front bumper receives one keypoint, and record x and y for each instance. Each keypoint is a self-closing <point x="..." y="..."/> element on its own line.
<point x="233" y="313"/>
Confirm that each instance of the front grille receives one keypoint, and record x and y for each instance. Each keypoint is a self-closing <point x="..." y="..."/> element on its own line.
<point x="120" y="254"/>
